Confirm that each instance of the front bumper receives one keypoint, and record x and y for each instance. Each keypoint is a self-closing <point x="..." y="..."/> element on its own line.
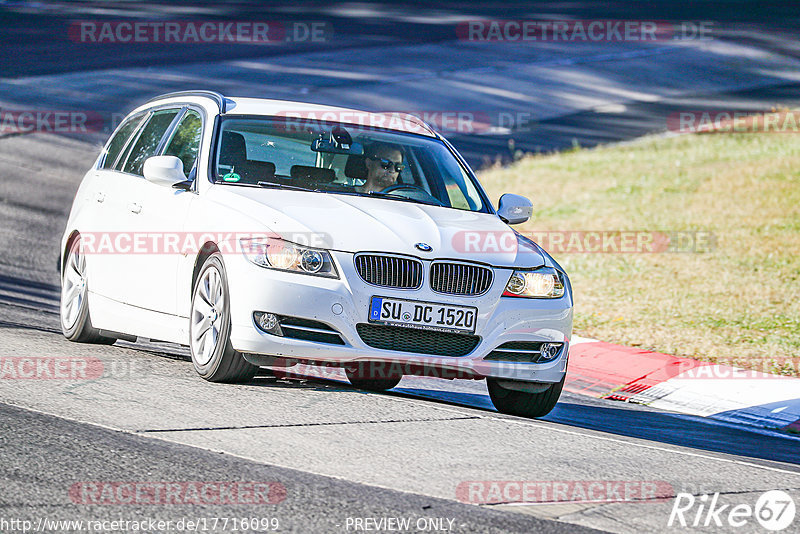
<point x="344" y="302"/>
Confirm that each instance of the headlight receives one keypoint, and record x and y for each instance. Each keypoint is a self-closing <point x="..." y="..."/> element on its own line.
<point x="542" y="283"/>
<point x="275" y="253"/>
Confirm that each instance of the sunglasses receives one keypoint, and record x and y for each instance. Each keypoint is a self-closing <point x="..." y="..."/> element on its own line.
<point x="387" y="163"/>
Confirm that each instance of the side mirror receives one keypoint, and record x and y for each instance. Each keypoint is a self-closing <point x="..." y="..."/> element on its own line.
<point x="514" y="209"/>
<point x="164" y="170"/>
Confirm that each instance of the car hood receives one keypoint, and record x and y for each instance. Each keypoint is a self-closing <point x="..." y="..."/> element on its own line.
<point x="351" y="223"/>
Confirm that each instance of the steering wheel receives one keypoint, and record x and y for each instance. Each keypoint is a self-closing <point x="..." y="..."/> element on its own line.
<point x="418" y="193"/>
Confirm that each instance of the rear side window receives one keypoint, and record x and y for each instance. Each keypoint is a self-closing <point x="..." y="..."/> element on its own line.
<point x="117" y="142"/>
<point x="185" y="141"/>
<point x="148" y="141"/>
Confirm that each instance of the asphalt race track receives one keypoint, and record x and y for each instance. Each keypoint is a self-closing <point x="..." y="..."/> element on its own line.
<point x="335" y="457"/>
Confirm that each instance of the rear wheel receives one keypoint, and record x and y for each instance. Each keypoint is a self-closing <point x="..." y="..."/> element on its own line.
<point x="524" y="403"/>
<point x="213" y="355"/>
<point x="372" y="376"/>
<point x="76" y="324"/>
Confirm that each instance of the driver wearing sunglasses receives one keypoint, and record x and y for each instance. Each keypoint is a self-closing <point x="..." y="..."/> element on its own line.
<point x="384" y="163"/>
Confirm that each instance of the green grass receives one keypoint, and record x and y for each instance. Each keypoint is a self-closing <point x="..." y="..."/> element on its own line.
<point x="738" y="303"/>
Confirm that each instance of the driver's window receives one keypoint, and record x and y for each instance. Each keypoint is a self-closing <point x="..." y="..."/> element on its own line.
<point x="120" y="140"/>
<point x="185" y="142"/>
<point x="148" y="140"/>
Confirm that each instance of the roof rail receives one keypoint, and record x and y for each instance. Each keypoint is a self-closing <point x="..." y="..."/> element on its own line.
<point x="213" y="95"/>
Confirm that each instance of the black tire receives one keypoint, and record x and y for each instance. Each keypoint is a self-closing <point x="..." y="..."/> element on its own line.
<point x="224" y="364"/>
<point x="78" y="329"/>
<point x="372" y="376"/>
<point x="523" y="403"/>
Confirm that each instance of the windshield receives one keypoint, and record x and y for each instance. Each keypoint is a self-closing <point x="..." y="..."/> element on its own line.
<point x="342" y="159"/>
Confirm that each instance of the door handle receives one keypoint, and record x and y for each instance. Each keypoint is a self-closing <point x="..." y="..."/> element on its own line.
<point x="134" y="207"/>
<point x="100" y="197"/>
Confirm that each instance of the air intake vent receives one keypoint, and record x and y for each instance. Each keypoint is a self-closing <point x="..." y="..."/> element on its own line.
<point x="525" y="352"/>
<point x="308" y="330"/>
<point x="417" y="341"/>
<point x="460" y="279"/>
<point x="296" y="328"/>
<point x="390" y="271"/>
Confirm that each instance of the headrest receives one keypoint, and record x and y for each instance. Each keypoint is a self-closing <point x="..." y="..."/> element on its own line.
<point x="234" y="149"/>
<point x="356" y="167"/>
<point x="263" y="169"/>
<point x="312" y="174"/>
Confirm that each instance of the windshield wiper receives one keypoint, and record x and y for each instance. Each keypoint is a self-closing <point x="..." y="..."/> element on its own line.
<point x="390" y="196"/>
<point x="284" y="186"/>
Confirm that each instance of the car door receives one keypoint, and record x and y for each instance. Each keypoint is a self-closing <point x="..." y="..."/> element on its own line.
<point x="102" y="219"/>
<point x="124" y="204"/>
<point x="161" y="214"/>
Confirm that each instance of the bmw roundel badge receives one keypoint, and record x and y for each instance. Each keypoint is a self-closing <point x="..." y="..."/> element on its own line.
<point x="424" y="247"/>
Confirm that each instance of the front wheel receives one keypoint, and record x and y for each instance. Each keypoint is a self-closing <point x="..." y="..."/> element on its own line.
<point x="213" y="355"/>
<point x="524" y="403"/>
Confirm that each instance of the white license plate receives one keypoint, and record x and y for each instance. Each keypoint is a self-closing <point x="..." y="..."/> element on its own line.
<point x="425" y="315"/>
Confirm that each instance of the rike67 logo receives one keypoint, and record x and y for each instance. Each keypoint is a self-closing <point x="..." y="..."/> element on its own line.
<point x="774" y="510"/>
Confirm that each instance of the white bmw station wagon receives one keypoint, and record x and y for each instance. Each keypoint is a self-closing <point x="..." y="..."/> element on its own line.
<point x="274" y="233"/>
